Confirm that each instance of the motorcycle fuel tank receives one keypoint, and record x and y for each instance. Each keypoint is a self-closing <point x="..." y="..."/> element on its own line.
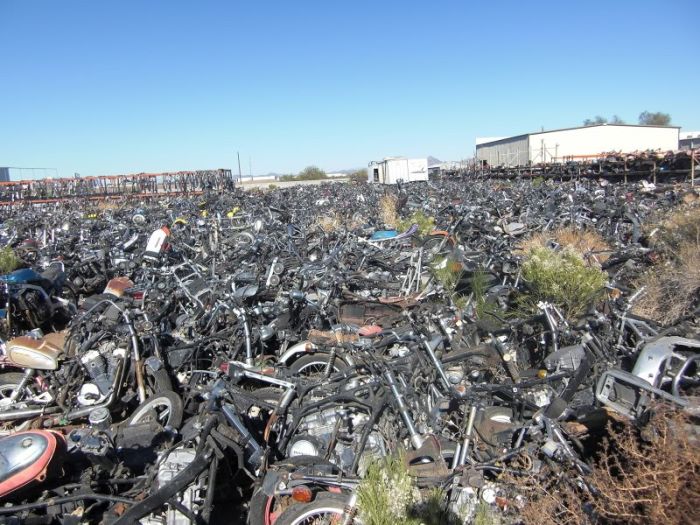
<point x="39" y="354"/>
<point x="23" y="276"/>
<point x="25" y="457"/>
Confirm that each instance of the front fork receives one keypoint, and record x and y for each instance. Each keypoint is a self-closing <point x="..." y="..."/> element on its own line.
<point x="28" y="374"/>
<point x="350" y="510"/>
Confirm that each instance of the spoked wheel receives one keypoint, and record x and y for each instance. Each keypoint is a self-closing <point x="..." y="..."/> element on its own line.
<point x="9" y="382"/>
<point x="164" y="408"/>
<point x="315" y="365"/>
<point x="326" y="509"/>
<point x="437" y="246"/>
<point x="266" y="510"/>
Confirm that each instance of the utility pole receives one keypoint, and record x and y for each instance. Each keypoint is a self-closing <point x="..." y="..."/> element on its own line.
<point x="240" y="176"/>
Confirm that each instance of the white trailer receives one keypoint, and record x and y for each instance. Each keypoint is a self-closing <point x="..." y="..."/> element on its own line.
<point x="397" y="169"/>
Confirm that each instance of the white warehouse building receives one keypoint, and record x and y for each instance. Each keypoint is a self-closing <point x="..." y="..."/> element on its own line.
<point x="561" y="145"/>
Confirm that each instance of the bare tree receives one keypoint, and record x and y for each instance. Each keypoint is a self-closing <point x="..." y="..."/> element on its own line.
<point x="616" y="120"/>
<point x="598" y="120"/>
<point x="647" y="118"/>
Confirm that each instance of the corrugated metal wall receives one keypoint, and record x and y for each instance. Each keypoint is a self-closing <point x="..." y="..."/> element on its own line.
<point x="561" y="145"/>
<point x="507" y="152"/>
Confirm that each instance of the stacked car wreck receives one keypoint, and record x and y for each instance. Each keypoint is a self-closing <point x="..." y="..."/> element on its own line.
<point x="262" y="356"/>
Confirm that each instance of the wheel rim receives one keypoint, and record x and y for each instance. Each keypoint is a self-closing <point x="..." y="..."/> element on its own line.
<point x="315" y="368"/>
<point x="5" y="393"/>
<point x="159" y="411"/>
<point x="320" y="516"/>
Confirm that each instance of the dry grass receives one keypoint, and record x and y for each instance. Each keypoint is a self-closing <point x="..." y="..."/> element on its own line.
<point x="587" y="243"/>
<point x="648" y="475"/>
<point x="334" y="222"/>
<point x="107" y="205"/>
<point x="680" y="227"/>
<point x="672" y="287"/>
<point x="673" y="284"/>
<point x="329" y="223"/>
<point x="551" y="500"/>
<point x="388" y="210"/>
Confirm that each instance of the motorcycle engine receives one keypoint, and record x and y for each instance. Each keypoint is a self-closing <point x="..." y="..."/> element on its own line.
<point x="344" y="427"/>
<point x="192" y="498"/>
<point x="100" y="364"/>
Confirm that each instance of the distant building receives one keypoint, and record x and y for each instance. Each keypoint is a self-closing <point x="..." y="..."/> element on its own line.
<point x="689" y="140"/>
<point x="562" y="145"/>
<point x="397" y="169"/>
<point x="4" y="174"/>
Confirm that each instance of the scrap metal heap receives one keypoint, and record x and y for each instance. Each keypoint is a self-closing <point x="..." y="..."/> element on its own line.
<point x="137" y="186"/>
<point x="255" y="355"/>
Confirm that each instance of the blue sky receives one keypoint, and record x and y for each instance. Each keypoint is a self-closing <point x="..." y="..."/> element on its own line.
<point x="100" y="87"/>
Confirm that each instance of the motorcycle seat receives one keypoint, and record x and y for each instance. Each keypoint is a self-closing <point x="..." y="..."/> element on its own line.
<point x="55" y="340"/>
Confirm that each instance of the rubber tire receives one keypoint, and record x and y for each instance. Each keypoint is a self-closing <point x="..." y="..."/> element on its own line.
<point x="259" y="501"/>
<point x="432" y="242"/>
<point x="319" y="358"/>
<point x="333" y="503"/>
<point x="176" y="409"/>
<point x="10" y="379"/>
<point x="161" y="380"/>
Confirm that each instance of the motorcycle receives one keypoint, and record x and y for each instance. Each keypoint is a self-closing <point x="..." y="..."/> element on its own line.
<point x="36" y="300"/>
<point x="99" y="362"/>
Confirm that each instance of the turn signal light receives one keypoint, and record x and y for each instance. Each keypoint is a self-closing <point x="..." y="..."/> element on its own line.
<point x="302" y="494"/>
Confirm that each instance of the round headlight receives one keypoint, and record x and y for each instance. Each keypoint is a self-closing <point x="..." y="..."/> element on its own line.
<point x="303" y="447"/>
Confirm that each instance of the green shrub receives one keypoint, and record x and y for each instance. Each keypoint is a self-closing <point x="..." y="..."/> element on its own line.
<point x="388" y="496"/>
<point x="447" y="272"/>
<point x="562" y="278"/>
<point x="387" y="493"/>
<point x="425" y="224"/>
<point x="8" y="260"/>
<point x="272" y="187"/>
<point x="482" y="306"/>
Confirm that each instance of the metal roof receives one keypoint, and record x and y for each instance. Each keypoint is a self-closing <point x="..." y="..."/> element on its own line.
<point x="523" y="135"/>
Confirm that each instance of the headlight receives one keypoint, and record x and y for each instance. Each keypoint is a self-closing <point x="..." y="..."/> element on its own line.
<point x="303" y="447"/>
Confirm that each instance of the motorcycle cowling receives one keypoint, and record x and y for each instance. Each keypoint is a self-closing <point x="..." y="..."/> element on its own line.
<point x="29" y="457"/>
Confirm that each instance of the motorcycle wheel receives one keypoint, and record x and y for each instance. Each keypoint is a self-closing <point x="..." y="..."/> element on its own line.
<point x="157" y="381"/>
<point x="327" y="507"/>
<point x="314" y="365"/>
<point x="9" y="382"/>
<point x="263" y="508"/>
<point x="164" y="407"/>
<point x="432" y="249"/>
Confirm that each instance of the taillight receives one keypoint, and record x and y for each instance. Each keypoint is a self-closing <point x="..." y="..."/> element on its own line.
<point x="224" y="367"/>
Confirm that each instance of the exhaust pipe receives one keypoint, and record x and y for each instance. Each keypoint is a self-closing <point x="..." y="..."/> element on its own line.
<point x="75" y="414"/>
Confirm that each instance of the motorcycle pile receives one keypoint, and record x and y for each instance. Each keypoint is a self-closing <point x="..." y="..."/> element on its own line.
<point x="250" y="355"/>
